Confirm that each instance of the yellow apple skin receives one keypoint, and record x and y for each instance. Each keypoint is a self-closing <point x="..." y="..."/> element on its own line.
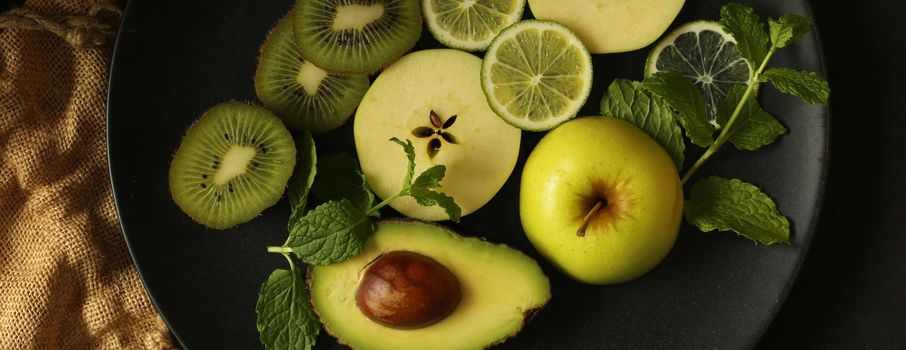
<point x="577" y="165"/>
<point x="609" y="26"/>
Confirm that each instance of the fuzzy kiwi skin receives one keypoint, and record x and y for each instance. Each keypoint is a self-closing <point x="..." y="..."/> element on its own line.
<point x="279" y="62"/>
<point x="274" y="164"/>
<point x="402" y="21"/>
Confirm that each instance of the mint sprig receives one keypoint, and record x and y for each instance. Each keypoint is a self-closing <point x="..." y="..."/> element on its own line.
<point x="748" y="30"/>
<point x="731" y="204"/>
<point x="717" y="203"/>
<point x="336" y="230"/>
<point x="422" y="190"/>
<point x="332" y="232"/>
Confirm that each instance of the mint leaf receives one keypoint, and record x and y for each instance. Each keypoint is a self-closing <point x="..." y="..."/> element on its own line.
<point x="628" y="101"/>
<point x="809" y="86"/>
<point x="284" y="316"/>
<point x="431" y="177"/>
<point x="421" y="191"/>
<point x="754" y="127"/>
<point x="746" y="27"/>
<point x="304" y="172"/>
<point x="410" y="154"/>
<point x="680" y="94"/>
<point x="339" y="177"/>
<point x="428" y="198"/>
<point x="788" y="29"/>
<point x="333" y="232"/>
<point x="732" y="205"/>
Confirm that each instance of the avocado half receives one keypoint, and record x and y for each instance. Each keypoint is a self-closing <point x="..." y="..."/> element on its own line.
<point x="501" y="288"/>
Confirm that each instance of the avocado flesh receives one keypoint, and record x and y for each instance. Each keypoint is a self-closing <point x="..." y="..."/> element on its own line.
<point x="500" y="286"/>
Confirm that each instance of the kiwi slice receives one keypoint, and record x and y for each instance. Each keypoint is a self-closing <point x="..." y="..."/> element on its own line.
<point x="356" y="36"/>
<point x="305" y="96"/>
<point x="233" y="163"/>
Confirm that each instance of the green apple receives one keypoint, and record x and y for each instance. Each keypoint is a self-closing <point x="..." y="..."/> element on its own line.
<point x="608" y="26"/>
<point x="434" y="99"/>
<point x="601" y="200"/>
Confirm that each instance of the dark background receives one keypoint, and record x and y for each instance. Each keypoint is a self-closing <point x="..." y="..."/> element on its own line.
<point x="851" y="291"/>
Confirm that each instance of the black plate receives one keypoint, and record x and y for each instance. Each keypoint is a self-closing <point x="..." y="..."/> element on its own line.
<point x="174" y="59"/>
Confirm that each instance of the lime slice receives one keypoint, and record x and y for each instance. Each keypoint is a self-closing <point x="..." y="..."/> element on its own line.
<point x="470" y="24"/>
<point x="536" y="75"/>
<point x="703" y="51"/>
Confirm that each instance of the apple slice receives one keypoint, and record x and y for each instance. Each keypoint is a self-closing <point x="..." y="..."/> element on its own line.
<point x="609" y="26"/>
<point x="434" y="99"/>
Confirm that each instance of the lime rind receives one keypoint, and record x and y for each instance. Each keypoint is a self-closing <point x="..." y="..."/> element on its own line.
<point x="695" y="26"/>
<point x="451" y="40"/>
<point x="711" y="61"/>
<point x="566" y="93"/>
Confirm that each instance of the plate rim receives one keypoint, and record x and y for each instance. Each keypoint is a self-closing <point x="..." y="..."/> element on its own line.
<point x="809" y="231"/>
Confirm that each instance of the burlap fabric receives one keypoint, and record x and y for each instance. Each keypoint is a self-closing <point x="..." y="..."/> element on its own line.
<point x="66" y="280"/>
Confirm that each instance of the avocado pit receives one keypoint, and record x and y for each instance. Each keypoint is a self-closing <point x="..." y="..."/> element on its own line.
<point x="407" y="290"/>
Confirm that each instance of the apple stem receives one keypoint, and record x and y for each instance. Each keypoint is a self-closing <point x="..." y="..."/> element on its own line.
<point x="587" y="220"/>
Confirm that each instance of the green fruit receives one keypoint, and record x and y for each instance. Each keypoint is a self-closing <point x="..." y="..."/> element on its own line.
<point x="498" y="288"/>
<point x="232" y="164"/>
<point x="470" y="24"/>
<point x="434" y="99"/>
<point x="601" y="200"/>
<point x="610" y="26"/>
<point x="536" y="75"/>
<point x="305" y="96"/>
<point x="705" y="53"/>
<point x="356" y="36"/>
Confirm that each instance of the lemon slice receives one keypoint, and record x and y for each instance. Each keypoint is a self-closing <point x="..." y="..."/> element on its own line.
<point x="470" y="24"/>
<point x="704" y="52"/>
<point x="536" y="75"/>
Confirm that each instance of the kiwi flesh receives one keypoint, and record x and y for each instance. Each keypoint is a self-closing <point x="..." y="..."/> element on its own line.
<point x="233" y="163"/>
<point x="356" y="36"/>
<point x="305" y="96"/>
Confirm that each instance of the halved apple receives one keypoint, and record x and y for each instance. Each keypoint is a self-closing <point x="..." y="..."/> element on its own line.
<point x="609" y="26"/>
<point x="434" y="98"/>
